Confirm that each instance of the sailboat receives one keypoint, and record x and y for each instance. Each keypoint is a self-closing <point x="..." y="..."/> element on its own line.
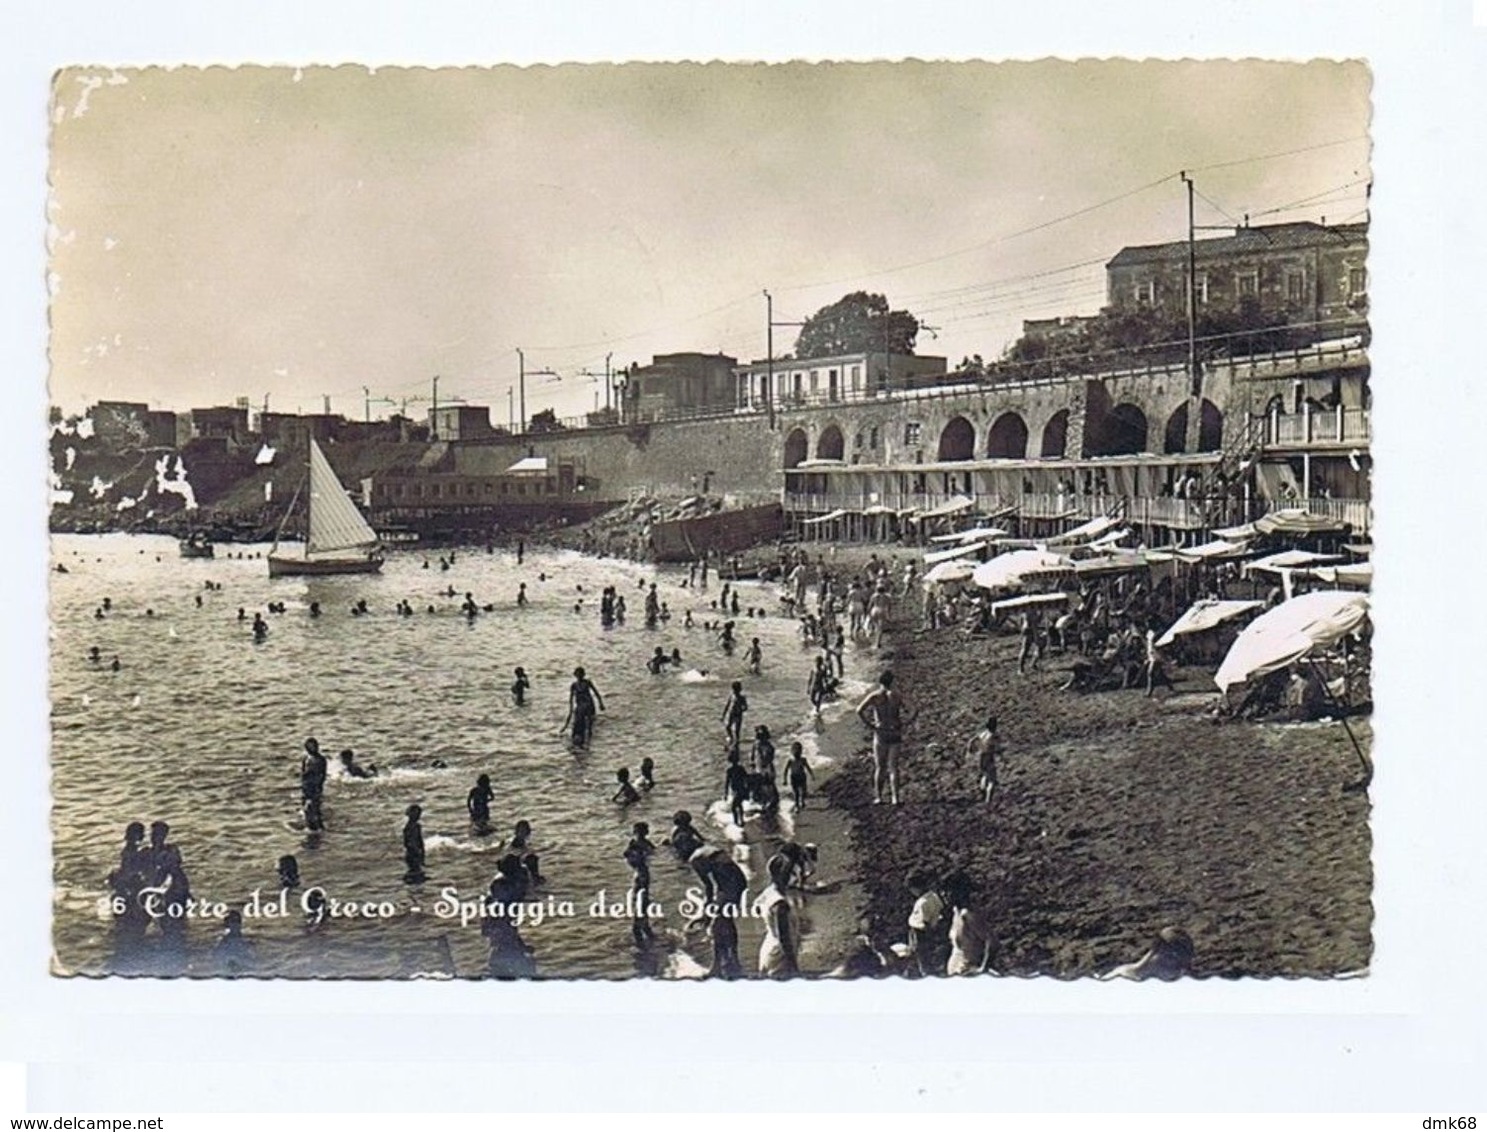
<point x="339" y="541"/>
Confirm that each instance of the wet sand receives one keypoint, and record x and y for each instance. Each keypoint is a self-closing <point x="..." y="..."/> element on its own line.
<point x="1116" y="816"/>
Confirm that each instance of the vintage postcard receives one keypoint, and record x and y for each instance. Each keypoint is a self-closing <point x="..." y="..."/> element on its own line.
<point x="711" y="521"/>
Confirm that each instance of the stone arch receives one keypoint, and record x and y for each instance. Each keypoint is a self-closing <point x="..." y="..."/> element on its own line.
<point x="1122" y="432"/>
<point x="831" y="445"/>
<point x="1176" y="439"/>
<point x="1007" y="439"/>
<point x="1210" y="427"/>
<point x="796" y="446"/>
<point x="1055" y="435"/>
<point x="957" y="440"/>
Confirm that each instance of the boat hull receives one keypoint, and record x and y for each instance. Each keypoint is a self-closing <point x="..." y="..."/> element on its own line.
<point x="197" y="550"/>
<point x="319" y="567"/>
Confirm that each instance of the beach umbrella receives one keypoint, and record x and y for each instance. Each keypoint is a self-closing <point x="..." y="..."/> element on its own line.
<point x="1290" y="632"/>
<point x="1205" y="615"/>
<point x="1006" y="571"/>
<point x="957" y="570"/>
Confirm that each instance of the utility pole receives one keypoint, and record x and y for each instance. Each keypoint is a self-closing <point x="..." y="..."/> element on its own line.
<point x="367" y="404"/>
<point x="511" y="409"/>
<point x="608" y="379"/>
<point x="521" y="380"/>
<point x="1195" y="379"/>
<point x="769" y="349"/>
<point x="434" y="411"/>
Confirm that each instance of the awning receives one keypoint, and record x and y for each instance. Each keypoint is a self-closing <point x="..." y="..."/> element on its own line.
<point x="1007" y="571"/>
<point x="937" y="556"/>
<point x="1206" y="615"/>
<point x="1297" y="521"/>
<point x="1027" y="600"/>
<point x="1112" y="538"/>
<point x="830" y="518"/>
<point x="1355" y="575"/>
<point x="529" y="464"/>
<point x="953" y="506"/>
<point x="878" y="509"/>
<point x="1116" y="562"/>
<point x="1213" y="551"/>
<point x="956" y="571"/>
<point x="1289" y="632"/>
<point x="1242" y="533"/>
<point x="1288" y="560"/>
<point x="1092" y="529"/>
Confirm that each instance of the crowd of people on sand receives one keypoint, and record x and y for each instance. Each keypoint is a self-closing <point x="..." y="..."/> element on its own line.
<point x="946" y="932"/>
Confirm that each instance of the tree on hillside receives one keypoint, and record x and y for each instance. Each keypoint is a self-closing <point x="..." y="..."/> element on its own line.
<point x="855" y="324"/>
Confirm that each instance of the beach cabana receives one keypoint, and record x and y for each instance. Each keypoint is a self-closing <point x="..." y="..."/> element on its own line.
<point x="1349" y="575"/>
<point x="1006" y="571"/>
<point x="1290" y="632"/>
<point x="1219" y="550"/>
<point x="1299" y="522"/>
<point x="1205" y="615"/>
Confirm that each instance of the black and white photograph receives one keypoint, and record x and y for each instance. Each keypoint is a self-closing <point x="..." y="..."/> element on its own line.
<point x="897" y="520"/>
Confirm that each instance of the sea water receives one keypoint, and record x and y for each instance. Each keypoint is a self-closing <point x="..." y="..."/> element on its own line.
<point x="203" y="728"/>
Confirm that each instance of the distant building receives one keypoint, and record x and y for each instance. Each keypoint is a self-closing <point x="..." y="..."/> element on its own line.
<point x="124" y="425"/>
<point x="847" y="377"/>
<point x="294" y="430"/>
<point x="676" y="384"/>
<point x="1057" y="331"/>
<point x="460" y="422"/>
<point x="226" y="422"/>
<point x="1313" y="273"/>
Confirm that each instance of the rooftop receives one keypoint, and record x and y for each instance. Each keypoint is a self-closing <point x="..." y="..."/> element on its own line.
<point x="1265" y="237"/>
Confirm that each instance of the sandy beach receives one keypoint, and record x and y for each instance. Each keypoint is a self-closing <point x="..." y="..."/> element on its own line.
<point x="1118" y="815"/>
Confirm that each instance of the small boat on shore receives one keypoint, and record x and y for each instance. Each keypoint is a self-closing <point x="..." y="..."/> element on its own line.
<point x="197" y="546"/>
<point x="339" y="541"/>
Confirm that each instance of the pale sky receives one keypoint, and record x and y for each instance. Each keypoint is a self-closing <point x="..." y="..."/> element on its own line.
<point x="221" y="233"/>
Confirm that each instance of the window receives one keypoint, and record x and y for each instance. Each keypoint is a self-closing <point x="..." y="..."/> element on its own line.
<point x="470" y="490"/>
<point x="815" y="380"/>
<point x="1146" y="291"/>
<point x="1357" y="281"/>
<point x="505" y="487"/>
<point x="1200" y="288"/>
<point x="1249" y="284"/>
<point x="857" y="441"/>
<point x="856" y="379"/>
<point x="416" y="490"/>
<point x="489" y="487"/>
<point x="1295" y="287"/>
<point x="911" y="433"/>
<point x="434" y="490"/>
<point x="872" y="437"/>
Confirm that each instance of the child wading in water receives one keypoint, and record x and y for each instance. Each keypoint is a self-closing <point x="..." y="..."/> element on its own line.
<point x="413" y="852"/>
<point x="626" y="794"/>
<point x="736" y="787"/>
<point x="754" y="656"/>
<point x="797" y="772"/>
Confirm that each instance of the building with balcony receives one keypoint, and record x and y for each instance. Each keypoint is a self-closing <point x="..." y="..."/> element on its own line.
<point x="847" y="377"/>
<point x="1312" y="273"/>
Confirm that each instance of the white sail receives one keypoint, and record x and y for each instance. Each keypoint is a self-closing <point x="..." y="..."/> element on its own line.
<point x="335" y="523"/>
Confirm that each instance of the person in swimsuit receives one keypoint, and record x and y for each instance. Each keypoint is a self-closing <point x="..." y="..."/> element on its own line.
<point x="736" y="787"/>
<point x="779" y="951"/>
<point x="985" y="747"/>
<point x="882" y="710"/>
<point x="733" y="715"/>
<point x="413" y="849"/>
<point x="626" y="794"/>
<point x="797" y="772"/>
<point x="755" y="656"/>
<point x="684" y="838"/>
<point x="638" y="857"/>
<point x="519" y="686"/>
<point x="724" y="885"/>
<point x="582" y="700"/>
<point x="478" y="804"/>
<point x="352" y="769"/>
<point x="970" y="934"/>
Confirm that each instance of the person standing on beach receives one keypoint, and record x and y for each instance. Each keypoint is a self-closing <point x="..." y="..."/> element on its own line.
<point x="779" y="951"/>
<point x="970" y="934"/>
<point x="985" y="747"/>
<point x="882" y="710"/>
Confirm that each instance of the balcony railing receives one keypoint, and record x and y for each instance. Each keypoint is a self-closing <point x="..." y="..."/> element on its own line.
<point x="1330" y="426"/>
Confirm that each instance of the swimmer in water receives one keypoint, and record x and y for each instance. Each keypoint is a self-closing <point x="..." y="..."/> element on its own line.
<point x="626" y="794"/>
<point x="761" y="755"/>
<point x="95" y="654"/>
<point x="684" y="838"/>
<point x="260" y="628"/>
<point x="413" y="850"/>
<point x="647" y="773"/>
<point x="754" y="656"/>
<point x="687" y="622"/>
<point x="352" y="769"/>
<point x="519" y="686"/>
<point x="676" y="657"/>
<point x="658" y="662"/>
<point x="583" y="697"/>
<point x="114" y="664"/>
<point x="478" y="803"/>
<point x="521" y="595"/>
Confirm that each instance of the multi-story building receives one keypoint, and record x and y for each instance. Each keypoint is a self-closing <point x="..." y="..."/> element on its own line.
<point x="460" y="422"/>
<point x="226" y="422"/>
<point x="1312" y="273"/>
<point x="679" y="385"/>
<point x="846" y="377"/>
